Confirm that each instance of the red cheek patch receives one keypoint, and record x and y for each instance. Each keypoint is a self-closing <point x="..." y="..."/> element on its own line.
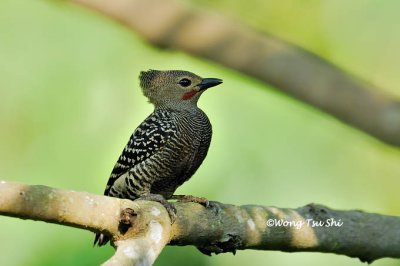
<point x="189" y="95"/>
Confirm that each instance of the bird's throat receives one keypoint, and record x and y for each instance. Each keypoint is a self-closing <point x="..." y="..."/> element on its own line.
<point x="189" y="95"/>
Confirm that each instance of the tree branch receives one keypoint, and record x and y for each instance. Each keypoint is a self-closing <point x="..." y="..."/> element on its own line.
<point x="141" y="229"/>
<point x="295" y="71"/>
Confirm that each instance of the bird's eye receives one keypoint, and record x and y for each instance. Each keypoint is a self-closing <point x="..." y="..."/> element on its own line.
<point x="185" y="82"/>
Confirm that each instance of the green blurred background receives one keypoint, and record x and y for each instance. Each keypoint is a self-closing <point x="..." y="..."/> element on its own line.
<point x="70" y="99"/>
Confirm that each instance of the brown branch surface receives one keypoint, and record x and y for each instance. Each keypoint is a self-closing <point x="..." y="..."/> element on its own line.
<point x="140" y="229"/>
<point x="295" y="71"/>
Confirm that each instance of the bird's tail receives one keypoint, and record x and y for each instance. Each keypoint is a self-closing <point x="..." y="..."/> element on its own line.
<point x="101" y="240"/>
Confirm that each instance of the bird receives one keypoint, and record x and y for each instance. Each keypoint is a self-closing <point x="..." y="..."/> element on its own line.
<point x="168" y="147"/>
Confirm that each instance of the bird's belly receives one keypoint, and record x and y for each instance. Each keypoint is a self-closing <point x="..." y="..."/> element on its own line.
<point x="183" y="171"/>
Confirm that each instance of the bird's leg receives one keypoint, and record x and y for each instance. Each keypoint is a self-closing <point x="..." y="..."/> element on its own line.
<point x="200" y="200"/>
<point x="189" y="198"/>
<point x="159" y="198"/>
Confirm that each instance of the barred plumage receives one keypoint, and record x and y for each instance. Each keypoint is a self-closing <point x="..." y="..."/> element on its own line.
<point x="169" y="145"/>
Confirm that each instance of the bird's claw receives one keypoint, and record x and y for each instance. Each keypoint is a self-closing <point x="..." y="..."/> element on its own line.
<point x="214" y="206"/>
<point x="170" y="209"/>
<point x="167" y="205"/>
<point x="200" y="200"/>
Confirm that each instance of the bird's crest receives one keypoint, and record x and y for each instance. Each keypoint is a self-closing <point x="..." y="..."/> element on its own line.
<point x="146" y="77"/>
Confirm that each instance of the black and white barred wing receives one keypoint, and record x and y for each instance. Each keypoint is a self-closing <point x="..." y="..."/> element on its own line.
<point x="147" y="140"/>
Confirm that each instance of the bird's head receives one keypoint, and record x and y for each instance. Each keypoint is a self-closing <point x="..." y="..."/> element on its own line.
<point x="174" y="88"/>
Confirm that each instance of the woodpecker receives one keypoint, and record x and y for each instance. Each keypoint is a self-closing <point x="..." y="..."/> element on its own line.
<point x="168" y="147"/>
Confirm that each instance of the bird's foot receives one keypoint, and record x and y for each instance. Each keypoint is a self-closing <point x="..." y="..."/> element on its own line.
<point x="189" y="198"/>
<point x="160" y="199"/>
<point x="200" y="200"/>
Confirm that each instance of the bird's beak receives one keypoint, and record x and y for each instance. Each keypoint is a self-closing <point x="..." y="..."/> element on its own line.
<point x="208" y="83"/>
